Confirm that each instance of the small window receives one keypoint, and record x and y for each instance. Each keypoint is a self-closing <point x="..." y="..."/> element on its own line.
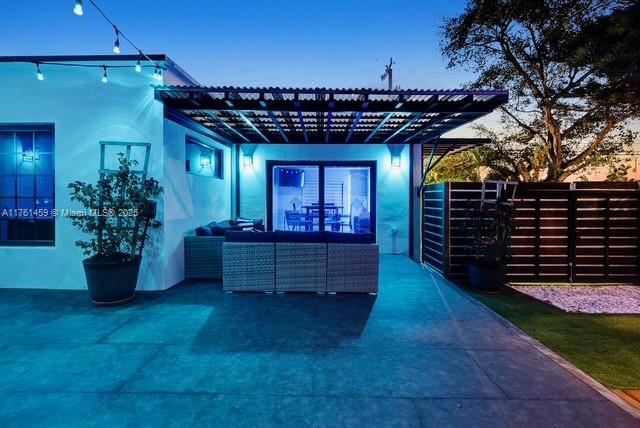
<point x="203" y="160"/>
<point x="26" y="185"/>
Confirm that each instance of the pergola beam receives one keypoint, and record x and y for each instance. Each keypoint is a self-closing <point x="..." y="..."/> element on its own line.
<point x="327" y="135"/>
<point x="227" y="126"/>
<point x="356" y="121"/>
<point x="425" y="127"/>
<point x="428" y="168"/>
<point x="415" y="117"/>
<point x="250" y="123"/>
<point x="379" y="127"/>
<point x="378" y="106"/>
<point x="274" y="119"/>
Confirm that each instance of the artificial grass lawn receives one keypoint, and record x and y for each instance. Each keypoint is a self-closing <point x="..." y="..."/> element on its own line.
<point x="607" y="347"/>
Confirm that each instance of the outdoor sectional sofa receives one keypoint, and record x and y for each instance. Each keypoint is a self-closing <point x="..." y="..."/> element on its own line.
<point x="285" y="261"/>
<point x="203" y="248"/>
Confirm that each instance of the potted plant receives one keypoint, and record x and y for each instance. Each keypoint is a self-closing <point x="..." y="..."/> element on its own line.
<point x="119" y="212"/>
<point x="491" y="225"/>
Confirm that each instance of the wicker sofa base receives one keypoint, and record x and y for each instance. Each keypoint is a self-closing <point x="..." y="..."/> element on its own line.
<point x="301" y="267"/>
<point x="248" y="266"/>
<point x="300" y="262"/>
<point x="352" y="268"/>
<point x="203" y="257"/>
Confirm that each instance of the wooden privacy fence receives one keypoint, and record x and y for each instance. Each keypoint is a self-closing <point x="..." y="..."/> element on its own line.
<point x="565" y="232"/>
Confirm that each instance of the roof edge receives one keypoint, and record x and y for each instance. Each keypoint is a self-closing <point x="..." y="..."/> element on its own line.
<point x="168" y="62"/>
<point x="337" y="91"/>
<point x="78" y="58"/>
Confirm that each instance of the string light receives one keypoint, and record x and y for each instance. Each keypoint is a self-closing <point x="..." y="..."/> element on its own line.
<point x="77" y="9"/>
<point x="39" y="74"/>
<point x="138" y="66"/>
<point x="157" y="73"/>
<point x="116" y="45"/>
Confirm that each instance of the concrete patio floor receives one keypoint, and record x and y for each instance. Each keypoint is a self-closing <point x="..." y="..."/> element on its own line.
<point x="419" y="354"/>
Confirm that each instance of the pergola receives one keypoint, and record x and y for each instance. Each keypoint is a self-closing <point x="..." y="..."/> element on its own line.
<point x="240" y="115"/>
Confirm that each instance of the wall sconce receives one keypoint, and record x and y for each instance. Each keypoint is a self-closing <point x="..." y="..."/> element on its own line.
<point x="247" y="160"/>
<point x="205" y="161"/>
<point x="395" y="161"/>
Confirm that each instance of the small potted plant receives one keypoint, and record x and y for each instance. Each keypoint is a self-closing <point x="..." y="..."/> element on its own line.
<point x="490" y="247"/>
<point x="119" y="212"/>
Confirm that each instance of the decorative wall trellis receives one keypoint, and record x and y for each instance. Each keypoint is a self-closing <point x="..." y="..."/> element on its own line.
<point x="565" y="232"/>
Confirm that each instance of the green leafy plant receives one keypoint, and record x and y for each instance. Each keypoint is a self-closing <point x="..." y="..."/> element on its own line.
<point x="118" y="212"/>
<point x="491" y="226"/>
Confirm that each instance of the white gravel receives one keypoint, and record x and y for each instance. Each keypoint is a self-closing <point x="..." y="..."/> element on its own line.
<point x="596" y="299"/>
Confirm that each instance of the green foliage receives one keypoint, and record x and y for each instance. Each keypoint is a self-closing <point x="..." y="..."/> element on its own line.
<point x="571" y="67"/>
<point x="118" y="211"/>
<point x="464" y="166"/>
<point x="618" y="172"/>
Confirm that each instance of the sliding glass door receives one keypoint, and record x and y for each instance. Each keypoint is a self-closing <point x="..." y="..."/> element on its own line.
<point x="347" y="199"/>
<point x="313" y="196"/>
<point x="295" y="189"/>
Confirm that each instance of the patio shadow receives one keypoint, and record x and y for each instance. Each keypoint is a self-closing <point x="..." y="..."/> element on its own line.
<point x="260" y="322"/>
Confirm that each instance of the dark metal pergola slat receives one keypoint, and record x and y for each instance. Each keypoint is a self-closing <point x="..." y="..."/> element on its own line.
<point x="322" y="115"/>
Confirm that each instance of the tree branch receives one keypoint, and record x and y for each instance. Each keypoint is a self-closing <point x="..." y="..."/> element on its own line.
<point x="516" y="64"/>
<point x="578" y="122"/>
<point x="609" y="124"/>
<point x="521" y="123"/>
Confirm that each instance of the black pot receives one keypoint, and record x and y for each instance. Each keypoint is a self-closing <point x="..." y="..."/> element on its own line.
<point x="111" y="280"/>
<point x="488" y="279"/>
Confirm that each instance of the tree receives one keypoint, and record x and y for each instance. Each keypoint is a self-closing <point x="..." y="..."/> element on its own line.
<point x="464" y="166"/>
<point x="571" y="67"/>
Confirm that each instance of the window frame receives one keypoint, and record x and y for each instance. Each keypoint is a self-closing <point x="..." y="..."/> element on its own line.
<point x="322" y="165"/>
<point x="33" y="127"/>
<point x="216" y="153"/>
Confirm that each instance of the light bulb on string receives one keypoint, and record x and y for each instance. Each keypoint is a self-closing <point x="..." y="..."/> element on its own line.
<point x="157" y="74"/>
<point x="138" y="65"/>
<point x="116" y="45"/>
<point x="77" y="9"/>
<point x="105" y="79"/>
<point x="39" y="74"/>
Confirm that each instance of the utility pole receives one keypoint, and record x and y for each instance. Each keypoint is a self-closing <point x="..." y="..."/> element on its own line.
<point x="388" y="73"/>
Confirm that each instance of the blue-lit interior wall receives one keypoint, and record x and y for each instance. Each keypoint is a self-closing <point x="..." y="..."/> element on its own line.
<point x="392" y="183"/>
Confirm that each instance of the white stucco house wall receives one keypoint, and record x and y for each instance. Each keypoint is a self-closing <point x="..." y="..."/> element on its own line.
<point x="83" y="111"/>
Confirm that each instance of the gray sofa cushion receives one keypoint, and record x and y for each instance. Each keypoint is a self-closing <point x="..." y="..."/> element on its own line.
<point x="220" y="230"/>
<point x="349" y="238"/>
<point x="203" y="231"/>
<point x="241" y="236"/>
<point x="291" y="236"/>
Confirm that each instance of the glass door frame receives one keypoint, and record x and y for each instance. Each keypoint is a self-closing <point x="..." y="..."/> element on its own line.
<point x="322" y="165"/>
